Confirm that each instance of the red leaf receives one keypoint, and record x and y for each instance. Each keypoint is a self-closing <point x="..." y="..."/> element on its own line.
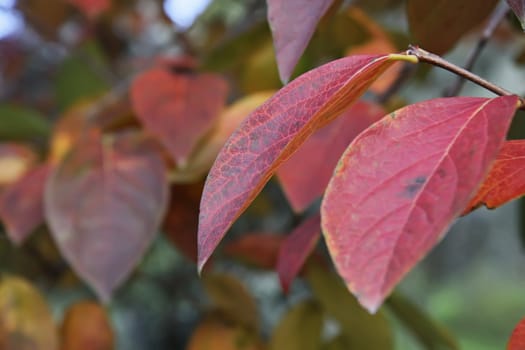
<point x="305" y="175"/>
<point x="104" y="203"/>
<point x="505" y="180"/>
<point x="401" y="182"/>
<point x="296" y="248"/>
<point x="518" y="6"/>
<point x="21" y="204"/>
<point x="517" y="338"/>
<point x="91" y="8"/>
<point x="271" y="133"/>
<point x="293" y="23"/>
<point x="257" y="249"/>
<point x="178" y="108"/>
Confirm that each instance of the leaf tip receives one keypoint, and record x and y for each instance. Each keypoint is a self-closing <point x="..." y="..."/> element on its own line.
<point x="371" y="304"/>
<point x="284" y="76"/>
<point x="201" y="261"/>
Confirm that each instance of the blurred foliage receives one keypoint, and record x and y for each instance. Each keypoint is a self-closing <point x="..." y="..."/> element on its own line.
<point x="65" y="79"/>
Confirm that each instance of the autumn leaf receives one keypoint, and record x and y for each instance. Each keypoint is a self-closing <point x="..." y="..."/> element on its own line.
<point x="104" y="204"/>
<point x="518" y="6"/>
<point x="306" y="173"/>
<point x="204" y="154"/>
<point x="21" y="204"/>
<point x="504" y="181"/>
<point x="296" y="248"/>
<point x="178" y="107"/>
<point x="293" y="24"/>
<point x="272" y="133"/>
<point x="400" y="184"/>
<point x="72" y="126"/>
<point x="450" y="18"/>
<point x="86" y="326"/>
<point x="26" y="322"/>
<point x="517" y="338"/>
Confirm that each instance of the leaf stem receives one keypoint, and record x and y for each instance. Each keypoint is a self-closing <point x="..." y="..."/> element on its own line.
<point x="435" y="60"/>
<point x="495" y="19"/>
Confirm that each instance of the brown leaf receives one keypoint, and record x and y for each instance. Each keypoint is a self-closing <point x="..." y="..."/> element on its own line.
<point x="86" y="326"/>
<point x="182" y="218"/>
<point x="438" y="25"/>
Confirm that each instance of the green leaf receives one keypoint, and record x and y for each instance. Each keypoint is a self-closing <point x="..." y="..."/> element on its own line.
<point x="18" y="123"/>
<point x="232" y="299"/>
<point x="432" y="335"/>
<point x="79" y="77"/>
<point x="299" y="329"/>
<point x="360" y="329"/>
<point x="338" y="343"/>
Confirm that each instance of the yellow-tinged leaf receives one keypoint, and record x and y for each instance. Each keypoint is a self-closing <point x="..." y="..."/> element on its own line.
<point x="25" y="319"/>
<point x="231" y="298"/>
<point x="70" y="127"/>
<point x="260" y="72"/>
<point x="338" y="343"/>
<point x="299" y="329"/>
<point x="214" y="334"/>
<point x="15" y="161"/>
<point x="360" y="329"/>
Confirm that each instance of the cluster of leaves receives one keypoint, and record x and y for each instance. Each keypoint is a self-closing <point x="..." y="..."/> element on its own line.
<point x="119" y="165"/>
<point x="400" y="183"/>
<point x="27" y="322"/>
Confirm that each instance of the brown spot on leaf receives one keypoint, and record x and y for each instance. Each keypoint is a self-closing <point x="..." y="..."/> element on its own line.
<point x="412" y="188"/>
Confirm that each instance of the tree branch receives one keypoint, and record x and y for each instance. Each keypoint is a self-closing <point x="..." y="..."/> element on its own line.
<point x="427" y="57"/>
<point x="495" y="19"/>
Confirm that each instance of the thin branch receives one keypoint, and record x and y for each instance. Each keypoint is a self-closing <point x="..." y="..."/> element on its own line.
<point x="427" y="57"/>
<point x="495" y="19"/>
